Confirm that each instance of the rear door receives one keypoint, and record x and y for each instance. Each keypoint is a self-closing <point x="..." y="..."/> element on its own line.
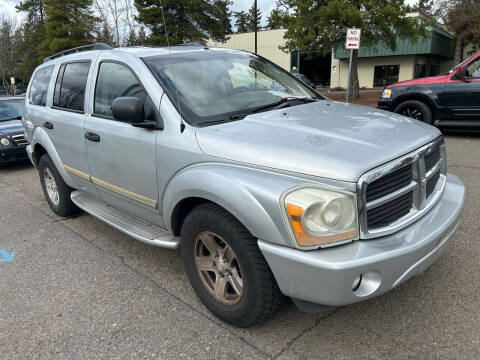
<point x="121" y="157"/>
<point x="462" y="97"/>
<point x="64" y="120"/>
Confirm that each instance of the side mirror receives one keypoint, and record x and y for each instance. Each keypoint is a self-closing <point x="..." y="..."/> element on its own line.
<point x="460" y="75"/>
<point x="128" y="109"/>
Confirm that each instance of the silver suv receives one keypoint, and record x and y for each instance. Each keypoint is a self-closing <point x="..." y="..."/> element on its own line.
<point x="269" y="189"/>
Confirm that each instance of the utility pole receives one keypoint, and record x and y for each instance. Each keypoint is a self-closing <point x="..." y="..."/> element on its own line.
<point x="255" y="26"/>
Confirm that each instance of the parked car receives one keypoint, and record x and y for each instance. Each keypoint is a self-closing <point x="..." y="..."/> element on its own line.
<point x="303" y="78"/>
<point x="12" y="138"/>
<point x="269" y="192"/>
<point x="449" y="100"/>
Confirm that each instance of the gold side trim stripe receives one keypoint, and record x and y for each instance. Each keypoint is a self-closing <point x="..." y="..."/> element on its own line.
<point x="114" y="188"/>
<point x="77" y="172"/>
<point x="124" y="192"/>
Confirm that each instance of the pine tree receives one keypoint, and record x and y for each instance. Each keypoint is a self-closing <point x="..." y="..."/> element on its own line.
<point x="33" y="34"/>
<point x="242" y="21"/>
<point x="185" y="21"/>
<point x="277" y="19"/>
<point x="69" y="23"/>
<point x="251" y="18"/>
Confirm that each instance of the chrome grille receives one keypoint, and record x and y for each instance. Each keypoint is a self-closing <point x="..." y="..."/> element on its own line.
<point x="19" y="139"/>
<point x="394" y="195"/>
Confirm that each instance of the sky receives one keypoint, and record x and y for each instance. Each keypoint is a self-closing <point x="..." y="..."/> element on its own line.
<point x="7" y="7"/>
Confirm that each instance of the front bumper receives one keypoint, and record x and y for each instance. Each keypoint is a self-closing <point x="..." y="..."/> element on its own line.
<point x="327" y="276"/>
<point x="385" y="105"/>
<point x="12" y="153"/>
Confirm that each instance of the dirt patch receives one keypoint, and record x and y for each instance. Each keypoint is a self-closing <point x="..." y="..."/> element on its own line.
<point x="367" y="97"/>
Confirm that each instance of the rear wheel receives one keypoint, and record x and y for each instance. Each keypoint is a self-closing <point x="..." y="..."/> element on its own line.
<point x="226" y="268"/>
<point x="415" y="109"/>
<point x="56" y="191"/>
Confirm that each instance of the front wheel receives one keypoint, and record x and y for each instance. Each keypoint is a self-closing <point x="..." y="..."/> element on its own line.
<point x="226" y="268"/>
<point x="56" y="191"/>
<point x="416" y="110"/>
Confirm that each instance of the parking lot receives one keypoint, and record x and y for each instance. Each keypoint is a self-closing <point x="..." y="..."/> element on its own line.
<point x="77" y="288"/>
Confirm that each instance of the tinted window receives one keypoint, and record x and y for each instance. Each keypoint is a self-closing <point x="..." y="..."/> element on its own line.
<point x="11" y="109"/>
<point x="70" y="86"/>
<point x="473" y="69"/>
<point x="39" y="87"/>
<point x="116" y="80"/>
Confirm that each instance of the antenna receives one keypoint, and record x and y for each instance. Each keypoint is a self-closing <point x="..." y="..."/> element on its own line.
<point x="182" y="125"/>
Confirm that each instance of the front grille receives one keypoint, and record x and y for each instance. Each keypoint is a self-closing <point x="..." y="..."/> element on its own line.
<point x="389" y="183"/>
<point x="395" y="194"/>
<point x="431" y="183"/>
<point x="19" y="140"/>
<point x="432" y="159"/>
<point x="384" y="215"/>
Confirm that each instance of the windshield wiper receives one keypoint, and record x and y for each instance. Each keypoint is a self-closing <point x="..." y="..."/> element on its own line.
<point x="283" y="103"/>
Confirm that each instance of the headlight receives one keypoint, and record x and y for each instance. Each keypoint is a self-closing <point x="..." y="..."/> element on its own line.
<point x="386" y="93"/>
<point x="4" y="141"/>
<point x="319" y="216"/>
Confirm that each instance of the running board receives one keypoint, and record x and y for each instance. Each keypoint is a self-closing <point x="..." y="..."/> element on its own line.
<point x="139" y="229"/>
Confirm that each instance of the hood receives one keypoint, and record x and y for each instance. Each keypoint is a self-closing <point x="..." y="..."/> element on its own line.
<point x="326" y="139"/>
<point x="11" y="127"/>
<point x="422" y="81"/>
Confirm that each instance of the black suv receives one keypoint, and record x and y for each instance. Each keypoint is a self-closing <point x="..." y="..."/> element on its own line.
<point x="449" y="100"/>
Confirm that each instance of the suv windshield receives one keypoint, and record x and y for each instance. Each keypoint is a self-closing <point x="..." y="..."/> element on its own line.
<point x="11" y="109"/>
<point x="223" y="85"/>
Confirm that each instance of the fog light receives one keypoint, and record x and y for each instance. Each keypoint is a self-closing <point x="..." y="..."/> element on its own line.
<point x="367" y="283"/>
<point x="356" y="282"/>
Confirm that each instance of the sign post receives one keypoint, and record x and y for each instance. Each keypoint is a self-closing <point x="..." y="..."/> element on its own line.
<point x="352" y="43"/>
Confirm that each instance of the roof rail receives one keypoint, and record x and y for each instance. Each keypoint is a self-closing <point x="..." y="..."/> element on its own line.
<point x="96" y="46"/>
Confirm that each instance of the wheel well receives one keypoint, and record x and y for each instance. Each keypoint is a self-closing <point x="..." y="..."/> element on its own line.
<point x="38" y="152"/>
<point x="182" y="209"/>
<point x="417" y="97"/>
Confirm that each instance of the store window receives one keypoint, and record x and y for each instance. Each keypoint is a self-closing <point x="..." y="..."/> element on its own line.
<point x="385" y="75"/>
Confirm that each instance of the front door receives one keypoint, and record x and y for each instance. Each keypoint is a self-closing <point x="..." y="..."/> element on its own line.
<point x="121" y="157"/>
<point x="462" y="97"/>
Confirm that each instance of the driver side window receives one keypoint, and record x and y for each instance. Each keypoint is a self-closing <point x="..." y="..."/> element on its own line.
<point x="473" y="70"/>
<point x="115" y="80"/>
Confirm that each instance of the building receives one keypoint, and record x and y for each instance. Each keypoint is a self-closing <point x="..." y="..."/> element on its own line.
<point x="377" y="65"/>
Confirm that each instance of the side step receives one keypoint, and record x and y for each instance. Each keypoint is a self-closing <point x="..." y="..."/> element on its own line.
<point x="141" y="230"/>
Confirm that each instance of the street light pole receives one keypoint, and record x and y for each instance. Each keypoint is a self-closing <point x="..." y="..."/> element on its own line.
<point x="255" y="26"/>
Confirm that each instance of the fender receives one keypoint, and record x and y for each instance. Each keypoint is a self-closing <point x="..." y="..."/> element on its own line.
<point x="431" y="95"/>
<point x="41" y="137"/>
<point x="251" y="195"/>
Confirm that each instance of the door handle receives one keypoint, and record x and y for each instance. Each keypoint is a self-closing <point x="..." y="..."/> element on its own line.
<point x="92" y="136"/>
<point x="48" y="125"/>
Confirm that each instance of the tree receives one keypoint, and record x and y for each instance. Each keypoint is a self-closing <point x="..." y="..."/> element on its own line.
<point x="33" y="30"/>
<point x="463" y="18"/>
<point x="320" y="25"/>
<point x="185" y="21"/>
<point x="242" y="21"/>
<point x="68" y="24"/>
<point x="10" y="39"/>
<point x="278" y="19"/>
<point x="426" y="7"/>
<point x="251" y="18"/>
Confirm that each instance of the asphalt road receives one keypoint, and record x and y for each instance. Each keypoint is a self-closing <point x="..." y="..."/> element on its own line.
<point x="77" y="288"/>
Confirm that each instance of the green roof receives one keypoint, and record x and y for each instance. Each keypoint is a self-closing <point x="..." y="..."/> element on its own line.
<point x="438" y="43"/>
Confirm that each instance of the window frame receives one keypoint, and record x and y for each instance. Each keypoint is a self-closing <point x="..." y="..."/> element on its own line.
<point x="64" y="65"/>
<point x="121" y="63"/>
<point x="48" y="85"/>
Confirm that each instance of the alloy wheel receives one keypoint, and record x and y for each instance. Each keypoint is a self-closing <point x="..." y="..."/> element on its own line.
<point x="413" y="113"/>
<point x="218" y="268"/>
<point x="51" y="186"/>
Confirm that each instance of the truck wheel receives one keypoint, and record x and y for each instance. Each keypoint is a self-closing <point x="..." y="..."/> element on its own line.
<point x="56" y="191"/>
<point x="416" y="110"/>
<point x="226" y="268"/>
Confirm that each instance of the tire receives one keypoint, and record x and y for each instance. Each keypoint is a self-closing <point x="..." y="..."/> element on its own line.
<point x="50" y="178"/>
<point x="260" y="296"/>
<point x="415" y="109"/>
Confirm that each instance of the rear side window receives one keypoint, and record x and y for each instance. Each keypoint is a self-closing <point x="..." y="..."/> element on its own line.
<point x="116" y="80"/>
<point x="39" y="87"/>
<point x="70" y="86"/>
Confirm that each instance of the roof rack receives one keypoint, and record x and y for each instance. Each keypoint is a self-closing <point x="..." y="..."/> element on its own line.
<point x="96" y="46"/>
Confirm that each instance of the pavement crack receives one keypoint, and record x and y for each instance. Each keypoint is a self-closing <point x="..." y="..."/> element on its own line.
<point x="303" y="332"/>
